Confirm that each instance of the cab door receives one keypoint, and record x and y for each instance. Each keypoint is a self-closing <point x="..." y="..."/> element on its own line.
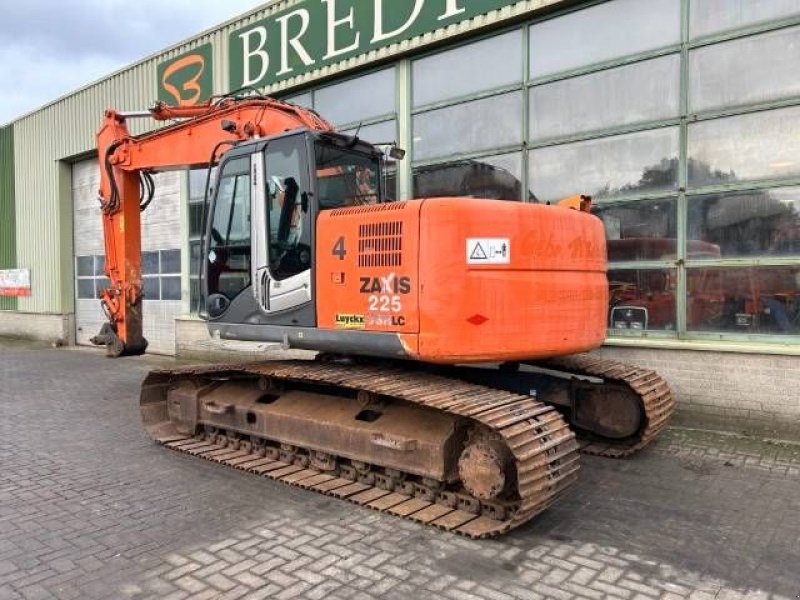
<point x="282" y="230"/>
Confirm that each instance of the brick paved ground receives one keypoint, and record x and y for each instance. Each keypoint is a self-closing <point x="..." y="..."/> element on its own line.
<point x="90" y="508"/>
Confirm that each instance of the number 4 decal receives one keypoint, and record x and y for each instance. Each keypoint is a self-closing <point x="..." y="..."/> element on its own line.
<point x="338" y="248"/>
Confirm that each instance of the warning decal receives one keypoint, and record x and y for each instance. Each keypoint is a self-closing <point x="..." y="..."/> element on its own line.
<point x="488" y="251"/>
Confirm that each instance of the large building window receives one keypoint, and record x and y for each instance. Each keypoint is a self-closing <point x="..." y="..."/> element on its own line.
<point x="467" y="129"/>
<point x="680" y="117"/>
<point x="624" y="165"/>
<point x="601" y="33"/>
<point x="747" y="70"/>
<point x="623" y="96"/>
<point x="714" y="16"/>
<point x="762" y="145"/>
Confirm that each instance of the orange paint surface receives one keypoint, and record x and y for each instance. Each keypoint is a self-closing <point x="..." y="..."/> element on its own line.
<point x="535" y="288"/>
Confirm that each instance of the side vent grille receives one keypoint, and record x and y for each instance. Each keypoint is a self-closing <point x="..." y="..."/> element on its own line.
<point x="380" y="244"/>
<point x="371" y="208"/>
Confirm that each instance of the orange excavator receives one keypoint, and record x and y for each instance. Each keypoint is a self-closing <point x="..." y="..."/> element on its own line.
<point x="449" y="383"/>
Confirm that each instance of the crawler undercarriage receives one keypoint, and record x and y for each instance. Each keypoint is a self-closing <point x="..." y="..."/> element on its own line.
<point x="474" y="451"/>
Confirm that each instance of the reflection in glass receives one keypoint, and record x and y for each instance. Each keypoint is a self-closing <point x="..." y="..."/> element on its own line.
<point x="642" y="299"/>
<point x="710" y="16"/>
<point x="631" y="225"/>
<point x="603" y="32"/>
<point x="744" y="300"/>
<point x="645" y="91"/>
<point x="753" y="69"/>
<point x="759" y="222"/>
<point x="451" y="74"/>
<point x="622" y="165"/>
<point x="490" y="177"/>
<point x="357" y="99"/>
<point x="762" y="145"/>
<point x="469" y="127"/>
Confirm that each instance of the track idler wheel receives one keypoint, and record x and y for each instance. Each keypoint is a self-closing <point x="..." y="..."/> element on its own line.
<point x="485" y="466"/>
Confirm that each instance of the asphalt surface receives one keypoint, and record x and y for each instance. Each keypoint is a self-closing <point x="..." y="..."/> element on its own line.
<point x="91" y="508"/>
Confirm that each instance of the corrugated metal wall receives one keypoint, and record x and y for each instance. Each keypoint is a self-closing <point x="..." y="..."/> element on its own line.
<point x="65" y="129"/>
<point x="8" y="253"/>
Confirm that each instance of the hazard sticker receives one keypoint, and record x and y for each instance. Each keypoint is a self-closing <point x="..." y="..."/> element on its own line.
<point x="488" y="251"/>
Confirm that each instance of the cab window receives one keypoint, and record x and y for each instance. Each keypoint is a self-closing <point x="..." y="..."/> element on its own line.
<point x="228" y="259"/>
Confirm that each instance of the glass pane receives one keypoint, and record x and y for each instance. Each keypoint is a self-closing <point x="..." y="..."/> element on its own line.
<point x="601" y="33"/>
<point x="645" y="91"/>
<point x="469" y="127"/>
<point x="195" y="220"/>
<point x="379" y="133"/>
<point x="150" y="263"/>
<point x="228" y="260"/>
<point x="619" y="165"/>
<point x="761" y="222"/>
<point x="749" y="70"/>
<point x="305" y="100"/>
<point x="170" y="261"/>
<point x="197" y="183"/>
<point x="195" y="252"/>
<point x="170" y="288"/>
<point x="764" y="145"/>
<point x="194" y="295"/>
<point x="490" y="177"/>
<point x="642" y="299"/>
<point x="641" y="230"/>
<point x="151" y="288"/>
<point x="452" y="74"/>
<point x="99" y="264"/>
<point x="345" y="177"/>
<point x="85" y="266"/>
<point x="86" y="289"/>
<point x="357" y="99"/>
<point x="710" y="16"/>
<point x="744" y="300"/>
<point x="289" y="236"/>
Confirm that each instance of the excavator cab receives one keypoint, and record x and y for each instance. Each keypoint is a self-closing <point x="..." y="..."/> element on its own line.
<point x="260" y="225"/>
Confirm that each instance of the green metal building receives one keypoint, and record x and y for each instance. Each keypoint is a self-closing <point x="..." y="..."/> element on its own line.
<point x="680" y="117"/>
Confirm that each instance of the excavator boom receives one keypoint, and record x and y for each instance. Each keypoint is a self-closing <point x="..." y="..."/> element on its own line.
<point x="125" y="166"/>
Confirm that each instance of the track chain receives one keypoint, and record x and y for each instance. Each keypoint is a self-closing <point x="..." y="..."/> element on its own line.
<point x="657" y="399"/>
<point x="544" y="448"/>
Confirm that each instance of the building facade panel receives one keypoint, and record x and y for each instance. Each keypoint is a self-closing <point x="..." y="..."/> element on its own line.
<point x="8" y="246"/>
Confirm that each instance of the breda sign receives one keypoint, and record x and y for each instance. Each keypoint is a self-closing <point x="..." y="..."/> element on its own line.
<point x="315" y="33"/>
